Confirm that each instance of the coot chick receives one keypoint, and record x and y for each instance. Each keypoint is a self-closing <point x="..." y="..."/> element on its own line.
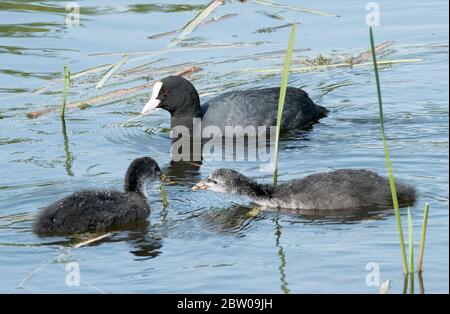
<point x="98" y="210"/>
<point x="256" y="107"/>
<point x="343" y="189"/>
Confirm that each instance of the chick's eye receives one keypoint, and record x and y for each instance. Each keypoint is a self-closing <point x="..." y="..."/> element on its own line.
<point x="211" y="181"/>
<point x="165" y="92"/>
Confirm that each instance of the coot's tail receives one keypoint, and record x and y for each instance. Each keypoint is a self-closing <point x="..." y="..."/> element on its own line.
<point x="322" y="111"/>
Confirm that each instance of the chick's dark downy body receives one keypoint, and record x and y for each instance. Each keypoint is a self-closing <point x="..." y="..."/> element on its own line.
<point x="99" y="210"/>
<point x="335" y="190"/>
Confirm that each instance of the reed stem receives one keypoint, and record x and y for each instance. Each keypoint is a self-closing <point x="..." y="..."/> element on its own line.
<point x="388" y="159"/>
<point x="66" y="86"/>
<point x="411" y="250"/>
<point x="283" y="89"/>
<point x="422" y="238"/>
<point x="162" y="188"/>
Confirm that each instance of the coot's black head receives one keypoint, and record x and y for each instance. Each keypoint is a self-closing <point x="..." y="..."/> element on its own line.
<point x="140" y="171"/>
<point x="224" y="180"/>
<point x="174" y="94"/>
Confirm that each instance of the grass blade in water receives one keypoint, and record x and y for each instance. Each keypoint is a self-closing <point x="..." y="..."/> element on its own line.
<point x="291" y="7"/>
<point x="411" y="250"/>
<point x="284" y="83"/>
<point x="191" y="25"/>
<point x="66" y="86"/>
<point x="162" y="188"/>
<point x="388" y="159"/>
<point x="111" y="71"/>
<point x="331" y="66"/>
<point x="422" y="238"/>
<point x="385" y="286"/>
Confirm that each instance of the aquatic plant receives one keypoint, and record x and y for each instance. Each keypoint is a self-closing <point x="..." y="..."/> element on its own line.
<point x="282" y="97"/>
<point x="387" y="156"/>
<point x="422" y="238"/>
<point x="162" y="188"/>
<point x="66" y="86"/>
<point x="411" y="250"/>
<point x="408" y="269"/>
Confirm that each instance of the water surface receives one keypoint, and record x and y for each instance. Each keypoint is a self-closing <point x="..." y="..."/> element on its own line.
<point x="205" y="242"/>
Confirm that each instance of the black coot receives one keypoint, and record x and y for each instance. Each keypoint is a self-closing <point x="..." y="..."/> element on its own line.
<point x="342" y="189"/>
<point x="256" y="107"/>
<point x="98" y="210"/>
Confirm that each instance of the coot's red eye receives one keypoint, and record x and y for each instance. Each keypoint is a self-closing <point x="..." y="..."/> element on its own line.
<point x="165" y="92"/>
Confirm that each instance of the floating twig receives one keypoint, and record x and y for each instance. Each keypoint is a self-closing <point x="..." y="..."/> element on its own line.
<point x="379" y="49"/>
<point x="73" y="76"/>
<point x="111" y="71"/>
<point x="107" y="96"/>
<point x="272" y="15"/>
<point x="93" y="240"/>
<point x="291" y="7"/>
<point x="328" y="66"/>
<point x="208" y="22"/>
<point x="192" y="24"/>
<point x="272" y="29"/>
<point x="181" y="49"/>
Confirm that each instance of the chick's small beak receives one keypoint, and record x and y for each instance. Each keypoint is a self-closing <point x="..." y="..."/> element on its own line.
<point x="200" y="186"/>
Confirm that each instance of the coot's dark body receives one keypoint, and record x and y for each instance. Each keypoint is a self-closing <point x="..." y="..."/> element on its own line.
<point x="256" y="107"/>
<point x="259" y="107"/>
<point x="99" y="210"/>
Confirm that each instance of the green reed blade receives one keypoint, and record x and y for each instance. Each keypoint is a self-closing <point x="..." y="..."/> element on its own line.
<point x="162" y="188"/>
<point x="66" y="87"/>
<point x="388" y="159"/>
<point x="281" y="99"/>
<point x="111" y="71"/>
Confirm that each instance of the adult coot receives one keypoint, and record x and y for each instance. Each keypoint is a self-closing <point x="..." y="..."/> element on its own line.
<point x="97" y="210"/>
<point x="336" y="190"/>
<point x="256" y="107"/>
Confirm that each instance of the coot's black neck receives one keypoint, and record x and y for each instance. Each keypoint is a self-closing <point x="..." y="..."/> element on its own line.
<point x="135" y="182"/>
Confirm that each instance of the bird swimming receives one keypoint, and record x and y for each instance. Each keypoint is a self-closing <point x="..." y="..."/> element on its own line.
<point x="336" y="190"/>
<point x="97" y="210"/>
<point x="254" y="107"/>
